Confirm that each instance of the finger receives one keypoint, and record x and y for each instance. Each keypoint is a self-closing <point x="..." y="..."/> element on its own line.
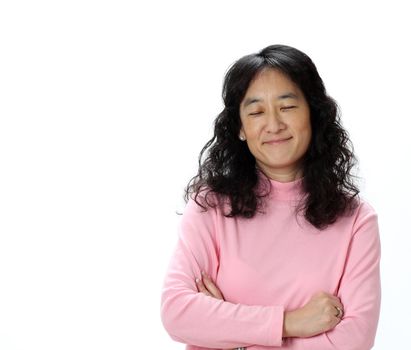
<point x="337" y="320"/>
<point x="339" y="314"/>
<point x="339" y="304"/>
<point x="212" y="288"/>
<point x="202" y="288"/>
<point x="206" y="286"/>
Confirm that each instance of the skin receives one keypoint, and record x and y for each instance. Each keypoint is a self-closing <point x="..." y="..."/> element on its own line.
<point x="273" y="117"/>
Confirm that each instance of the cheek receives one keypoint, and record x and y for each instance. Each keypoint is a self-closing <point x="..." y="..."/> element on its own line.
<point x="305" y="134"/>
<point x="251" y="129"/>
<point x="308" y="134"/>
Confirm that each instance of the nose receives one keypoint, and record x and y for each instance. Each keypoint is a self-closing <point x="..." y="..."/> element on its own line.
<point x="274" y="122"/>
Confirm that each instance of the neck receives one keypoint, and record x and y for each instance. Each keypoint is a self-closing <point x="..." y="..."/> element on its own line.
<point x="281" y="176"/>
<point x="281" y="190"/>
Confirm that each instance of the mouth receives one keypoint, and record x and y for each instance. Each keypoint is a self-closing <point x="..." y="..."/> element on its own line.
<point x="276" y="142"/>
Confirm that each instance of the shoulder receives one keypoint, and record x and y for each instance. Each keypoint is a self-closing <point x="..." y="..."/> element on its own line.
<point x="202" y="207"/>
<point x="365" y="216"/>
<point x="209" y="201"/>
<point x="198" y="224"/>
<point x="365" y="208"/>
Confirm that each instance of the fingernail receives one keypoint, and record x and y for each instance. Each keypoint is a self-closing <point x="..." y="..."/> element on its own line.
<point x="197" y="280"/>
<point x="203" y="273"/>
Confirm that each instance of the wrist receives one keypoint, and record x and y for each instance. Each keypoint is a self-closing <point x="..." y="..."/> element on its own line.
<point x="287" y="325"/>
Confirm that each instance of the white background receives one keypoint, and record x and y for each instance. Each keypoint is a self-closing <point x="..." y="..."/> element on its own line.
<point x="105" y="106"/>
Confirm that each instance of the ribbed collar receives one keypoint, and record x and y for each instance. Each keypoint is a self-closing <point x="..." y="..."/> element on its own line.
<point x="292" y="190"/>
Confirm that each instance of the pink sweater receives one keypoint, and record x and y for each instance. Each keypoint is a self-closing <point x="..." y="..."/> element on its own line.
<point x="267" y="265"/>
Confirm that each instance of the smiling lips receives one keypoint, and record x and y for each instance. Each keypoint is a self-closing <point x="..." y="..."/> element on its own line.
<point x="274" y="142"/>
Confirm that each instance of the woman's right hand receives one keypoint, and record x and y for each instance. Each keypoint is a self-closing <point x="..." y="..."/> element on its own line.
<point x="315" y="317"/>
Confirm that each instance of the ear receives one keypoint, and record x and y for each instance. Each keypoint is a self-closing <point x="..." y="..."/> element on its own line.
<point x="241" y="134"/>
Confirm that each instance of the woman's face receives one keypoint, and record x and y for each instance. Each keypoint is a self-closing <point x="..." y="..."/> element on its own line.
<point x="275" y="109"/>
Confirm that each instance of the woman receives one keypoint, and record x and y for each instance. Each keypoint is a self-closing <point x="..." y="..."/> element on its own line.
<point x="290" y="251"/>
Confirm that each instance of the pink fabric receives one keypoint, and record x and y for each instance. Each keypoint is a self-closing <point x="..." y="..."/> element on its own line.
<point x="269" y="264"/>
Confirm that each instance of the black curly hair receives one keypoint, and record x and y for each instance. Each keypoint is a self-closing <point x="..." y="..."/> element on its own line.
<point x="230" y="170"/>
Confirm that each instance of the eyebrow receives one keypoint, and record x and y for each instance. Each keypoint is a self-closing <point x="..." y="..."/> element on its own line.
<point x="250" y="100"/>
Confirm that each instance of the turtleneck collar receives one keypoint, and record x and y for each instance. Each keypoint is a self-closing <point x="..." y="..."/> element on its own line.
<point x="292" y="190"/>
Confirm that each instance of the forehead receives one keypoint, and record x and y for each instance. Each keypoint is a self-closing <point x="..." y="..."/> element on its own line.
<point x="271" y="84"/>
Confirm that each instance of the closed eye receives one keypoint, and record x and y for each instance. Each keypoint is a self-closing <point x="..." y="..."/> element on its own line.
<point x="289" y="107"/>
<point x="283" y="108"/>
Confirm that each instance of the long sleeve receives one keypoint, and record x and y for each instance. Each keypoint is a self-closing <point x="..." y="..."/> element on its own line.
<point x="194" y="318"/>
<point x="359" y="292"/>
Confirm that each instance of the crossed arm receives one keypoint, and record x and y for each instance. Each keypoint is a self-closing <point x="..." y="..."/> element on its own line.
<point x="194" y="318"/>
<point x="321" y="306"/>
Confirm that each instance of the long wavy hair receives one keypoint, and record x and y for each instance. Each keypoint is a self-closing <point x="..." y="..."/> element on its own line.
<point x="229" y="169"/>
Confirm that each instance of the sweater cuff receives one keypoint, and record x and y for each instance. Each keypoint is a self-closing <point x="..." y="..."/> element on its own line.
<point x="275" y="335"/>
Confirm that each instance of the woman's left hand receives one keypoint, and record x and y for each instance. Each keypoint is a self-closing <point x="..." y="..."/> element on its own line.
<point x="207" y="286"/>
